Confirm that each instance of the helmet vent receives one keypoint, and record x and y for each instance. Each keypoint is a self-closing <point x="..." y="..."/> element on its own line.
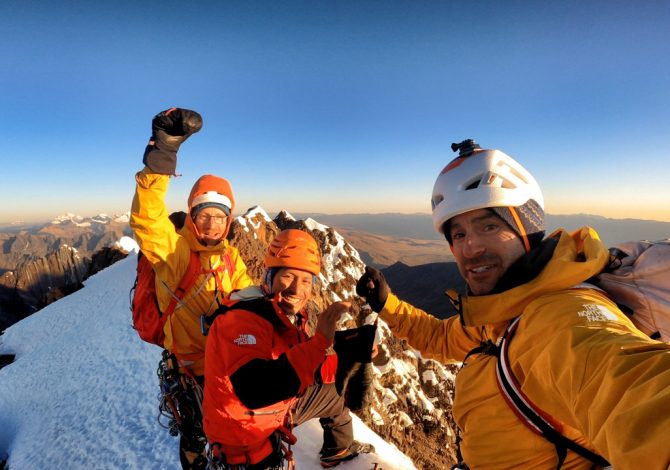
<point x="473" y="185"/>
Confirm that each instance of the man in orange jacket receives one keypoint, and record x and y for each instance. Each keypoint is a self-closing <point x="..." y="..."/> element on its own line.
<point x="569" y="349"/>
<point x="264" y="373"/>
<point x="210" y="206"/>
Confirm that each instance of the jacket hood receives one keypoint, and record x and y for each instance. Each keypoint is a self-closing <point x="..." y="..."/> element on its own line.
<point x="577" y="257"/>
<point x="206" y="184"/>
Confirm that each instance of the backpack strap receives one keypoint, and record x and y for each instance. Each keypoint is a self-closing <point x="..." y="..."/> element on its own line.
<point x="193" y="270"/>
<point x="207" y="321"/>
<point x="530" y="414"/>
<point x="261" y="306"/>
<point x="230" y="267"/>
<point x="219" y="272"/>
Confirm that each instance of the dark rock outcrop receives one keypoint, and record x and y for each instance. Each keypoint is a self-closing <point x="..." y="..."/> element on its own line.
<point x="39" y="282"/>
<point x="424" y="286"/>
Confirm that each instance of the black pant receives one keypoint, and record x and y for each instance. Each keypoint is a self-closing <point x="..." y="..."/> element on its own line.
<point x="322" y="401"/>
<point x="319" y="401"/>
<point x="192" y="441"/>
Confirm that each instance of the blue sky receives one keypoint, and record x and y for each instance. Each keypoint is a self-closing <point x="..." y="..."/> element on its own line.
<point x="335" y="107"/>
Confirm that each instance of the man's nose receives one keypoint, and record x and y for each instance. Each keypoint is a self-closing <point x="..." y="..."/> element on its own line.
<point x="473" y="246"/>
<point x="292" y="288"/>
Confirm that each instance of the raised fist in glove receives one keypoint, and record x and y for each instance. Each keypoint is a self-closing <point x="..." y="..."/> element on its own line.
<point x="169" y="129"/>
<point x="373" y="287"/>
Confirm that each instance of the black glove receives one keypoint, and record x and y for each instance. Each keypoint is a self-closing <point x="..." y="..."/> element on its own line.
<point x="354" y="372"/>
<point x="373" y="287"/>
<point x="169" y="129"/>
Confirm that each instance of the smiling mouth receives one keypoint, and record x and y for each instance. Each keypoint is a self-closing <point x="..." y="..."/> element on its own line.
<point x="481" y="269"/>
<point x="291" y="299"/>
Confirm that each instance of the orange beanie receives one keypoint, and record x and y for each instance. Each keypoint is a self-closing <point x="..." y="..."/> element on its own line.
<point x="212" y="190"/>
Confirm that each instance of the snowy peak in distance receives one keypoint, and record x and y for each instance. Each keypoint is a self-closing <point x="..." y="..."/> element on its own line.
<point x="285" y="215"/>
<point x="80" y="221"/>
<point x="253" y="218"/>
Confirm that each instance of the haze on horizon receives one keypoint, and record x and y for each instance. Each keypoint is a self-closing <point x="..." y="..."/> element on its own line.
<point x="299" y="214"/>
<point x="343" y="107"/>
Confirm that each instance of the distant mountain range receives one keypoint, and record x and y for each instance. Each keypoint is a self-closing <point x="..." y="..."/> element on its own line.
<point x="65" y="219"/>
<point x="384" y="250"/>
<point x="41" y="263"/>
<point x="416" y="261"/>
<point x="22" y="244"/>
<point x="420" y="226"/>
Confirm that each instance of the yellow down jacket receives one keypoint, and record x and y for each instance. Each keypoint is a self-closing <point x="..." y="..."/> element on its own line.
<point x="574" y="354"/>
<point x="169" y="252"/>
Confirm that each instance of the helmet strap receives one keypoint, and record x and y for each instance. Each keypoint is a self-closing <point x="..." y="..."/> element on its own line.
<point x="267" y="280"/>
<point x="520" y="228"/>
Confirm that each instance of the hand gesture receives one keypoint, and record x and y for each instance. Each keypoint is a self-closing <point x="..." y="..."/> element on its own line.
<point x="373" y="287"/>
<point x="327" y="322"/>
<point x="175" y="124"/>
<point x="169" y="129"/>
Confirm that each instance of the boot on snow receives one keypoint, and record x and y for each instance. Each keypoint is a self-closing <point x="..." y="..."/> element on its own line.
<point x="333" y="458"/>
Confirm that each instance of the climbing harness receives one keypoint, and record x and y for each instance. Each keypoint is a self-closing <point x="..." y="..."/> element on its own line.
<point x="281" y="457"/>
<point x="180" y="400"/>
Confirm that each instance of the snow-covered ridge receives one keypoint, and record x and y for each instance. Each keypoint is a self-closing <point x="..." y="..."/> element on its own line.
<point x="253" y="218"/>
<point x="332" y="255"/>
<point x="81" y="393"/>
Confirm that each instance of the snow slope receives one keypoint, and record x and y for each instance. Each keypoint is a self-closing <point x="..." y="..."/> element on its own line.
<point x="82" y="392"/>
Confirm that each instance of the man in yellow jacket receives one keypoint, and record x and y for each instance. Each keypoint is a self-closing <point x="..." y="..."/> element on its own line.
<point x="210" y="207"/>
<point x="574" y="354"/>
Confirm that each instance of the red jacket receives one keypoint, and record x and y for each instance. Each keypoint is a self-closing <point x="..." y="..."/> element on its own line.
<point x="256" y="364"/>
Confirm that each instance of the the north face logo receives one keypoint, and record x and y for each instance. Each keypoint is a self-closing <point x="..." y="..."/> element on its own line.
<point x="245" y="339"/>
<point x="597" y="313"/>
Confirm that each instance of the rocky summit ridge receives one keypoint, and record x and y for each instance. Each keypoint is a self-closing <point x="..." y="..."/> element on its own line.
<point x="410" y="399"/>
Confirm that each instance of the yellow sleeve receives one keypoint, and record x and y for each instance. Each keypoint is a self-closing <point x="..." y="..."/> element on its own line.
<point x="149" y="219"/>
<point x="594" y="371"/>
<point x="445" y="340"/>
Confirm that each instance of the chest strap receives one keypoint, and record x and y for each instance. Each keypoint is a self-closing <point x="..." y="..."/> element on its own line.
<point x="530" y="414"/>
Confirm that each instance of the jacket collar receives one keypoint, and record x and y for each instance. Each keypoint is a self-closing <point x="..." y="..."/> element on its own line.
<point x="577" y="257"/>
<point x="296" y="321"/>
<point x="187" y="232"/>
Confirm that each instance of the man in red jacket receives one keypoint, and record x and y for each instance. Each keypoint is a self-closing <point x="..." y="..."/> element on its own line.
<point x="264" y="374"/>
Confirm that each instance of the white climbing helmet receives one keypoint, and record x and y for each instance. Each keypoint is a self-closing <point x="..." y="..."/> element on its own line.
<point x="478" y="179"/>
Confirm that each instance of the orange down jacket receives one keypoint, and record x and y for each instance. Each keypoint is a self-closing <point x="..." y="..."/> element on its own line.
<point x="169" y="253"/>
<point x="575" y="354"/>
<point x="257" y="364"/>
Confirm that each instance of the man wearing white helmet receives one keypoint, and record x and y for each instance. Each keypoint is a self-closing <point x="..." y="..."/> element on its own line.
<point x="569" y="351"/>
